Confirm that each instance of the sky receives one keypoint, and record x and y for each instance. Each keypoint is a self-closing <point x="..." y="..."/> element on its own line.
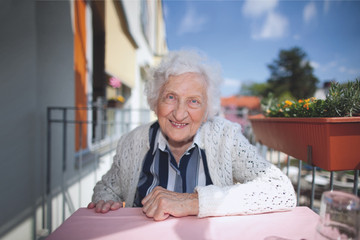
<point x="245" y="36"/>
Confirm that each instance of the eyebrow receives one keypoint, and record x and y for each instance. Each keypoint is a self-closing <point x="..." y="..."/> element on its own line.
<point x="192" y="96"/>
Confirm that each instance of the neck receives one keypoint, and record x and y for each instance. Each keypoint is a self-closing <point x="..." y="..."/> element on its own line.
<point x="178" y="150"/>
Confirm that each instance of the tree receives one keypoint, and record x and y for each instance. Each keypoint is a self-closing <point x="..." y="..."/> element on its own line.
<point x="254" y="89"/>
<point x="293" y="74"/>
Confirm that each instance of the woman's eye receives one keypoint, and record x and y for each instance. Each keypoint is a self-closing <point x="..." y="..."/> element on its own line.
<point x="194" y="102"/>
<point x="169" y="98"/>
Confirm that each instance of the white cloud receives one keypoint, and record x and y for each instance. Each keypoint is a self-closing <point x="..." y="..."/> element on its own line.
<point x="309" y="12"/>
<point x="328" y="66"/>
<point x="192" y="22"/>
<point x="334" y="68"/>
<point x="230" y="87"/>
<point x="315" y="65"/>
<point x="275" y="26"/>
<point x="232" y="82"/>
<point x="325" y="67"/>
<point x="257" y="8"/>
<point x="350" y="71"/>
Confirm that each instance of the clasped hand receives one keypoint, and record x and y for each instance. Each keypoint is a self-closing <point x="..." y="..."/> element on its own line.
<point x="159" y="204"/>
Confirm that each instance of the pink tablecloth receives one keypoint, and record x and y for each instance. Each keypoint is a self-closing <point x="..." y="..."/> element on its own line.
<point x="131" y="223"/>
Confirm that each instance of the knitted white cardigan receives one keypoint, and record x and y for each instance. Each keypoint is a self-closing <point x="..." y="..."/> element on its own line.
<point x="243" y="182"/>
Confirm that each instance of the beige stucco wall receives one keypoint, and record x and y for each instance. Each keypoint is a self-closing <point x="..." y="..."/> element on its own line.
<point x="120" y="52"/>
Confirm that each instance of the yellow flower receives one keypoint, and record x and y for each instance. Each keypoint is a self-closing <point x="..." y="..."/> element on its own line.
<point x="120" y="98"/>
<point x="307" y="100"/>
<point x="288" y="103"/>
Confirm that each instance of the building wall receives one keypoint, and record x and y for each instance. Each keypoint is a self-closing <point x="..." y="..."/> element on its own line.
<point x="147" y="38"/>
<point x="18" y="103"/>
<point x="37" y="71"/>
<point x="120" y="49"/>
<point x="36" y="63"/>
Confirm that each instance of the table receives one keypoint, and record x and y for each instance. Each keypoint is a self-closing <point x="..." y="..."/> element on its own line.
<point x="131" y="223"/>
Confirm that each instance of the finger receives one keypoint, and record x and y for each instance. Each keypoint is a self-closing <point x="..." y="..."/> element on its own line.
<point x="157" y="190"/>
<point x="159" y="210"/>
<point x="115" y="206"/>
<point x="147" y="205"/>
<point x="160" y="215"/>
<point x="149" y="210"/>
<point x="106" y="206"/>
<point x="91" y="205"/>
<point x="158" y="195"/>
<point x="155" y="204"/>
<point x="99" y="206"/>
<point x="147" y="198"/>
<point x="150" y="205"/>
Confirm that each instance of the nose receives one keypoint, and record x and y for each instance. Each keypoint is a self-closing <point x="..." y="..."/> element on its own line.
<point x="180" y="111"/>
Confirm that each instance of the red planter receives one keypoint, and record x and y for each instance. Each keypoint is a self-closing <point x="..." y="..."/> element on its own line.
<point x="332" y="144"/>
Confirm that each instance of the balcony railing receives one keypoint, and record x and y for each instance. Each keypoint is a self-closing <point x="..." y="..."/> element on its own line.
<point x="309" y="181"/>
<point x="81" y="143"/>
<point x="78" y="139"/>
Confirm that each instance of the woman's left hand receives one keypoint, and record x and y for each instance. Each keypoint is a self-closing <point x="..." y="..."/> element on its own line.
<point x="161" y="203"/>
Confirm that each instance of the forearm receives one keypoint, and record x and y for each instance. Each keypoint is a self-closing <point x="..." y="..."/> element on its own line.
<point x="108" y="188"/>
<point x="192" y="203"/>
<point x="253" y="197"/>
<point x="104" y="192"/>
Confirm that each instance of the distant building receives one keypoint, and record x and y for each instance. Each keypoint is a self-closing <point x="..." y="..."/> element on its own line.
<point x="237" y="109"/>
<point x="322" y="92"/>
<point x="251" y="103"/>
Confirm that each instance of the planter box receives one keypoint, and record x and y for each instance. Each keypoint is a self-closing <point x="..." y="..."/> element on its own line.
<point x="332" y="144"/>
<point x="114" y="104"/>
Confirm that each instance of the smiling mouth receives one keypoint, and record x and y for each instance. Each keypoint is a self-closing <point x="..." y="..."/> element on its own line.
<point x="178" y="125"/>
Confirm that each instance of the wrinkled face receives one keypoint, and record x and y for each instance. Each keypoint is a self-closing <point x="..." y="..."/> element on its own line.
<point x="182" y="108"/>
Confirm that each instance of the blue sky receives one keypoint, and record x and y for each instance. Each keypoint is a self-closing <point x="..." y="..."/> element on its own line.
<point x="245" y="36"/>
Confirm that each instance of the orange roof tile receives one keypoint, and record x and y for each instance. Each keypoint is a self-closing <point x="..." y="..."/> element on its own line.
<point x="250" y="102"/>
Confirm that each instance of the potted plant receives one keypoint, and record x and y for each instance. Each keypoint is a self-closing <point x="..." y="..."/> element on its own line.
<point x="325" y="133"/>
<point x="116" y="102"/>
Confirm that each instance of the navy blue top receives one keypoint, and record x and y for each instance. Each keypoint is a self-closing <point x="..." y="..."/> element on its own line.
<point x="161" y="169"/>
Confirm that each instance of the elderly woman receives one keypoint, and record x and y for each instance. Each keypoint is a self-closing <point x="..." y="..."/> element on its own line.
<point x="190" y="161"/>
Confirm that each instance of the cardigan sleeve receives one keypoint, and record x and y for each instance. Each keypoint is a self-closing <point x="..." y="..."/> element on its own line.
<point x="108" y="188"/>
<point x="120" y="182"/>
<point x="258" y="186"/>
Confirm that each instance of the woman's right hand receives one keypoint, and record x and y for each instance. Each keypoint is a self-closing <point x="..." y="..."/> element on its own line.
<point x="103" y="207"/>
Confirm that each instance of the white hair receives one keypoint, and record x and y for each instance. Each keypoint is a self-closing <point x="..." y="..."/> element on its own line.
<point x="185" y="61"/>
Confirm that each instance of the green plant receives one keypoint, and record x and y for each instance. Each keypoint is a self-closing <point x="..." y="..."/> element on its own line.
<point x="343" y="100"/>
